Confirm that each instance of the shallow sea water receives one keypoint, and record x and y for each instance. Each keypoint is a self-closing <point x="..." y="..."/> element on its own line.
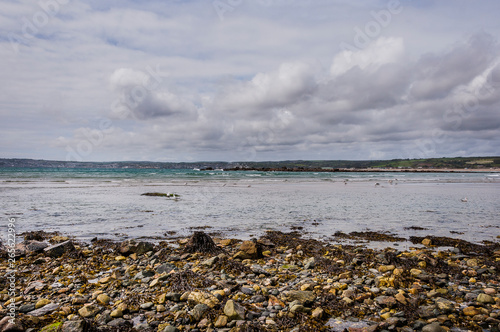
<point x="108" y="203"/>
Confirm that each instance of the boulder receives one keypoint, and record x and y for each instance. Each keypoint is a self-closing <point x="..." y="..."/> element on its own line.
<point x="433" y="327"/>
<point x="470" y="311"/>
<point x="198" y="311"/>
<point x="445" y="306"/>
<point x="9" y="324"/>
<point x="117" y="313"/>
<point x="133" y="247"/>
<point x="317" y="313"/>
<point x="427" y="311"/>
<point x="234" y="311"/>
<point x="210" y="261"/>
<point x="305" y="297"/>
<point x="221" y="321"/>
<point x="203" y="297"/>
<point x="25" y="308"/>
<point x="298" y="308"/>
<point x="103" y="299"/>
<point x="47" y="309"/>
<point x="253" y="250"/>
<point x="485" y="298"/>
<point x="35" y="246"/>
<point x="89" y="311"/>
<point x="384" y="300"/>
<point x="73" y="326"/>
<point x="41" y="303"/>
<point x="59" y="249"/>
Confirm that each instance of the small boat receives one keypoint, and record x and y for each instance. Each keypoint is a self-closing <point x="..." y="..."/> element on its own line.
<point x="196" y="169"/>
<point x="464" y="199"/>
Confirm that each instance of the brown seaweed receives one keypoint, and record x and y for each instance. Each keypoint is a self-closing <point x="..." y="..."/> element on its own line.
<point x="202" y="243"/>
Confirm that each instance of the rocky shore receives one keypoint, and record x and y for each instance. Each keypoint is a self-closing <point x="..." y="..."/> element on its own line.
<point x="280" y="282"/>
<point x="362" y="170"/>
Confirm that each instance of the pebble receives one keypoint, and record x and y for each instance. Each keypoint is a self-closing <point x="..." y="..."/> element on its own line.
<point x="117" y="313"/>
<point x="433" y="327"/>
<point x="485" y="298"/>
<point x="103" y="299"/>
<point x="89" y="311"/>
<point x="471" y="311"/>
<point x="199" y="310"/>
<point x="41" y="303"/>
<point x="385" y="268"/>
<point x="45" y="310"/>
<point x="234" y="311"/>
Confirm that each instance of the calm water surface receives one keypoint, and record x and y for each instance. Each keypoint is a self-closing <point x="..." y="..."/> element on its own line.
<point x="108" y="203"/>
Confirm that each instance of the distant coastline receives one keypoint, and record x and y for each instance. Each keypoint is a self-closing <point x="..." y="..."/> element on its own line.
<point x="369" y="170"/>
<point x="431" y="165"/>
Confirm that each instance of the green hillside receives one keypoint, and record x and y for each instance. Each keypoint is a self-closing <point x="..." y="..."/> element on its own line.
<point x="460" y="162"/>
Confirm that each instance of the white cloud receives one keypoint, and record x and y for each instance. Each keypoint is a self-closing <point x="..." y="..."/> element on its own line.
<point x="380" y="52"/>
<point x="284" y="86"/>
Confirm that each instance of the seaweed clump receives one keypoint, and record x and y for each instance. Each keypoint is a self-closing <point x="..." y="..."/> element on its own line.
<point x="202" y="243"/>
<point x="305" y="324"/>
<point x="188" y="280"/>
<point x="38" y="235"/>
<point x="465" y="247"/>
<point x="105" y="244"/>
<point x="309" y="247"/>
<point x="329" y="266"/>
<point x="231" y="266"/>
<point x="415" y="228"/>
<point x="335" y="308"/>
<point x="168" y="195"/>
<point x="370" y="236"/>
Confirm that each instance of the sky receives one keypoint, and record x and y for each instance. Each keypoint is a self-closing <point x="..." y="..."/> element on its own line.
<point x="249" y="80"/>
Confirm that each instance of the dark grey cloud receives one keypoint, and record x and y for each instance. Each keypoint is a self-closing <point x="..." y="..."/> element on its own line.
<point x="437" y="76"/>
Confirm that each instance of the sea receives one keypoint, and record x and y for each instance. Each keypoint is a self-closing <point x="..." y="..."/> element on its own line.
<point x="108" y="203"/>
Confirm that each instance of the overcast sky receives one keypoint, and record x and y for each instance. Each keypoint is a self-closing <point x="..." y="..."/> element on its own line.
<point x="241" y="80"/>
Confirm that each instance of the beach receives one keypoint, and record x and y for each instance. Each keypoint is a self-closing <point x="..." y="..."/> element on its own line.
<point x="279" y="282"/>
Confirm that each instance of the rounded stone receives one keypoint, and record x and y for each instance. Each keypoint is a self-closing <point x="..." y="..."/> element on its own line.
<point x="41" y="303"/>
<point x="88" y="311"/>
<point x="103" y="299"/>
<point x="433" y="327"/>
<point x="117" y="313"/>
<point x="485" y="298"/>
